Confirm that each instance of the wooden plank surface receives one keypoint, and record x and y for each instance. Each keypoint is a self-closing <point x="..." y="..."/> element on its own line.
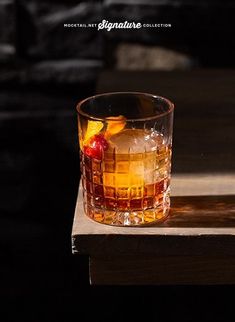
<point x="196" y="244"/>
<point x="203" y="221"/>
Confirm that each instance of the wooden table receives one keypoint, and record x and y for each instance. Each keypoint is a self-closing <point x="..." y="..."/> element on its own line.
<point x="196" y="245"/>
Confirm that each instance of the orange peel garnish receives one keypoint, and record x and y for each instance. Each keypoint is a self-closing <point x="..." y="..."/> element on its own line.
<point x="93" y="128"/>
<point x="114" y="125"/>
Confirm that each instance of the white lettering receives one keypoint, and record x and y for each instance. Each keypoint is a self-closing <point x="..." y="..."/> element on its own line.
<point x="105" y="24"/>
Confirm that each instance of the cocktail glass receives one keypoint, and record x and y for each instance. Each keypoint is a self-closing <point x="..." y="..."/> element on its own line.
<point x="125" y="151"/>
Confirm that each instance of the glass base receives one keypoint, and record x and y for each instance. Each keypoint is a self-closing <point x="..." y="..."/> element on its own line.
<point x="128" y="218"/>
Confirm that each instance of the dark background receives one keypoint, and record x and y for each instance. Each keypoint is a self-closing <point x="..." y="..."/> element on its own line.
<point x="45" y="69"/>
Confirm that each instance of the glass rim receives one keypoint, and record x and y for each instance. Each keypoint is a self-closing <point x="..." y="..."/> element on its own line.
<point x="89" y="116"/>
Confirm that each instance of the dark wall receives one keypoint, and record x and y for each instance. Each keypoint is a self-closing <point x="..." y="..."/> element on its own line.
<point x="36" y="48"/>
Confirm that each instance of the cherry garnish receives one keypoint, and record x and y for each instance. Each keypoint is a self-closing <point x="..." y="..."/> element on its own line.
<point x="97" y="145"/>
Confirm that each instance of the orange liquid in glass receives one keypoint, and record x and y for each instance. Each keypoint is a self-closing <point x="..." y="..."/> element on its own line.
<point x="129" y="185"/>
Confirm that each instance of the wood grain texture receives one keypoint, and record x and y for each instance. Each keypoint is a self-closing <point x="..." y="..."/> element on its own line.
<point x="196" y="244"/>
<point x="196" y="224"/>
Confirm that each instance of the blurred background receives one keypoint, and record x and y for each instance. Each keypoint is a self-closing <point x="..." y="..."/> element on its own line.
<point x="45" y="69"/>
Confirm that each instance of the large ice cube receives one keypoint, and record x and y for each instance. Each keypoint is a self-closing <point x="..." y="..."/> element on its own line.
<point x="136" y="141"/>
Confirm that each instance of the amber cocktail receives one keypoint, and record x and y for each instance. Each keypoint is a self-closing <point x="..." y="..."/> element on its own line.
<point x="125" y="150"/>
